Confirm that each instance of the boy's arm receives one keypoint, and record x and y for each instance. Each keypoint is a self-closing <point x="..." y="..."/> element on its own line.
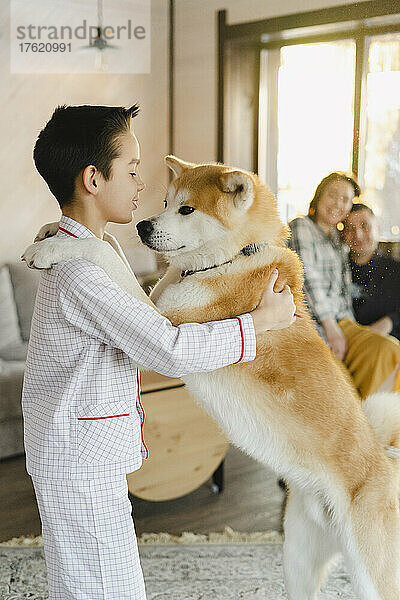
<point x="90" y="301"/>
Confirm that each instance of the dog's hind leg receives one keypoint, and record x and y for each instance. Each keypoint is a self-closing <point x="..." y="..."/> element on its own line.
<point x="308" y="547"/>
<point x="371" y="546"/>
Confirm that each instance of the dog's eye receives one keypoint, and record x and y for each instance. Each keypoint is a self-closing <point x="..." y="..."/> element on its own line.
<point x="186" y="210"/>
<point x="165" y="204"/>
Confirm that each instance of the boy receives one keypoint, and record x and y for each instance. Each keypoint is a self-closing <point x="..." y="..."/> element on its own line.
<point x="81" y="404"/>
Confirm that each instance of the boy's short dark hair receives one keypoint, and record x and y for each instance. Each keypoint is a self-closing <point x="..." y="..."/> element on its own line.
<point x="78" y="136"/>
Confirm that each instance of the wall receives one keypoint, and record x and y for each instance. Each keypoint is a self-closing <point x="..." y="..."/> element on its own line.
<point x="27" y="102"/>
<point x="196" y="64"/>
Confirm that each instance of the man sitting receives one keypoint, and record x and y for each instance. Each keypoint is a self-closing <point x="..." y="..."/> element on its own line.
<point x="376" y="278"/>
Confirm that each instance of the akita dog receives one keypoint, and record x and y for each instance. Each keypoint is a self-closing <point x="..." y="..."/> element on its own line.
<point x="293" y="407"/>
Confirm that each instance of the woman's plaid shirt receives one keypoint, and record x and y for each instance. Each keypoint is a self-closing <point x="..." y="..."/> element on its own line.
<point x="327" y="275"/>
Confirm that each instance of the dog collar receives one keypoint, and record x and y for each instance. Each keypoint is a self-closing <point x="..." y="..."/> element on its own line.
<point x="246" y="251"/>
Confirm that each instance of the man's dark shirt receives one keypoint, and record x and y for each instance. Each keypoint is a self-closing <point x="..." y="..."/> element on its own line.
<point x="377" y="291"/>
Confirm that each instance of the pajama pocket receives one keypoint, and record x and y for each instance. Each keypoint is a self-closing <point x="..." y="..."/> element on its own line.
<point x="105" y="433"/>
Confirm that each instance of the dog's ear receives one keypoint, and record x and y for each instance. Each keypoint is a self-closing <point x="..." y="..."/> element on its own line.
<point x="240" y="185"/>
<point x="177" y="165"/>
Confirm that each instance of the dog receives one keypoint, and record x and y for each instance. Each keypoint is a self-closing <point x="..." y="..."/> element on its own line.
<point x="293" y="408"/>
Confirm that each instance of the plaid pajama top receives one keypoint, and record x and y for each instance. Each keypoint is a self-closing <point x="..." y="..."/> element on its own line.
<point x="327" y="275"/>
<point x="81" y="399"/>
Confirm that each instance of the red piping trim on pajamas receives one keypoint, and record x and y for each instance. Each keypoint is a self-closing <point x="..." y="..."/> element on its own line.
<point x="95" y="418"/>
<point x="66" y="231"/>
<point x="144" y="414"/>
<point x="241" y="333"/>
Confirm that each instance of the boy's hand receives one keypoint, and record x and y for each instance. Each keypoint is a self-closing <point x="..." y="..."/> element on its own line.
<point x="276" y="310"/>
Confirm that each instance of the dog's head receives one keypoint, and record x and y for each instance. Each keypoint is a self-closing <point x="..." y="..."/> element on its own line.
<point x="211" y="210"/>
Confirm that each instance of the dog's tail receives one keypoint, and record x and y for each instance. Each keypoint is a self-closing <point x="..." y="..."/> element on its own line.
<point x="383" y="413"/>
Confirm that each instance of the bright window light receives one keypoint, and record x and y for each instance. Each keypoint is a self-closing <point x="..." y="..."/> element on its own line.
<point x="315" y="119"/>
<point x="382" y="148"/>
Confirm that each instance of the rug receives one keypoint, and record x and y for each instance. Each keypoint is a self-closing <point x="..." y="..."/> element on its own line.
<point x="227" y="536"/>
<point x="205" y="570"/>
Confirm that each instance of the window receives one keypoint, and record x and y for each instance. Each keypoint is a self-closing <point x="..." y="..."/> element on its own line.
<point x="315" y="123"/>
<point x="309" y="94"/>
<point x="315" y="119"/>
<point x="381" y="172"/>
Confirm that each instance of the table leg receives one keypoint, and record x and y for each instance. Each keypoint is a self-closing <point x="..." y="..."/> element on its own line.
<point x="218" y="479"/>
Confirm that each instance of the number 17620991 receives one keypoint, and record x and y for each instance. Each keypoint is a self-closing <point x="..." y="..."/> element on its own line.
<point x="45" y="47"/>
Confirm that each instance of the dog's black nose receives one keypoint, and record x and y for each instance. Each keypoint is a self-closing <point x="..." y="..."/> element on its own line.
<point x="144" y="229"/>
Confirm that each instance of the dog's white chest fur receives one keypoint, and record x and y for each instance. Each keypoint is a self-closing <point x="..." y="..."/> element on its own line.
<point x="186" y="294"/>
<point x="223" y="393"/>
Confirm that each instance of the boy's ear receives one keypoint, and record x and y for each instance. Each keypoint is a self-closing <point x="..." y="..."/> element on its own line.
<point x="90" y="179"/>
<point x="240" y="186"/>
<point x="177" y="165"/>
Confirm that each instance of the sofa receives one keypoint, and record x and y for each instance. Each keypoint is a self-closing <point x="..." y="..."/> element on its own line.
<point x="18" y="286"/>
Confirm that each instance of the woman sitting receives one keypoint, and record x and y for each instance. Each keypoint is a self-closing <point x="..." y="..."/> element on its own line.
<point x="371" y="359"/>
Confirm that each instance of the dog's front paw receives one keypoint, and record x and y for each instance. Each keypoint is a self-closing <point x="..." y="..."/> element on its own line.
<point x="46" y="231"/>
<point x="44" y="254"/>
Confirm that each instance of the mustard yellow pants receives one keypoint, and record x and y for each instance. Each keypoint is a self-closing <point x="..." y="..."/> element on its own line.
<point x="371" y="357"/>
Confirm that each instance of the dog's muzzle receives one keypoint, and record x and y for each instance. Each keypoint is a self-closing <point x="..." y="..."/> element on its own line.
<point x="144" y="229"/>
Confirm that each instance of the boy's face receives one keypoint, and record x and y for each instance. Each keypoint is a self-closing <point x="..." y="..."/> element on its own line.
<point x="118" y="196"/>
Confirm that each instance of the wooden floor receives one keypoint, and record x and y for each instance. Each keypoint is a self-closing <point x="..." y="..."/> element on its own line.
<point x="251" y="501"/>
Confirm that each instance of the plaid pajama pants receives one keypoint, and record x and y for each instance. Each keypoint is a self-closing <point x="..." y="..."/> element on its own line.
<point x="89" y="539"/>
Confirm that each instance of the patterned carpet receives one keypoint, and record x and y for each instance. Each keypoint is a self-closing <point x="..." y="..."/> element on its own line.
<point x="234" y="571"/>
